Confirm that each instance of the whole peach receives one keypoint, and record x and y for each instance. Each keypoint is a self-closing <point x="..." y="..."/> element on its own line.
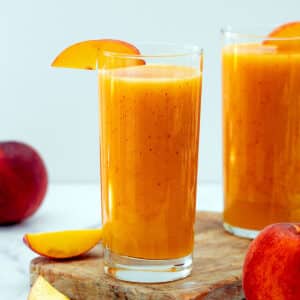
<point x="271" y="269"/>
<point x="23" y="181"/>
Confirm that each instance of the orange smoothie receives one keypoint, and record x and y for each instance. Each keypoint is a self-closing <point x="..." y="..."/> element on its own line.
<point x="149" y="128"/>
<point x="261" y="130"/>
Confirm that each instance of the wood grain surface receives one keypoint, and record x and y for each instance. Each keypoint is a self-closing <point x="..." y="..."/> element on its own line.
<point x="217" y="266"/>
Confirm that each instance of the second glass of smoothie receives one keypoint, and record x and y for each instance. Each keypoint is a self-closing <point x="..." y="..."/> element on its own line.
<point x="261" y="132"/>
<point x="149" y="128"/>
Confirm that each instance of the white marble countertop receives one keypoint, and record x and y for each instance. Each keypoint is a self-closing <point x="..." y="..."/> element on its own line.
<point x="65" y="207"/>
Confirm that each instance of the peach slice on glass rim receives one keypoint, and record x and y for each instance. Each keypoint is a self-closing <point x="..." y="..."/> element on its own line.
<point x="43" y="290"/>
<point x="63" y="244"/>
<point x="285" y="37"/>
<point x="89" y="55"/>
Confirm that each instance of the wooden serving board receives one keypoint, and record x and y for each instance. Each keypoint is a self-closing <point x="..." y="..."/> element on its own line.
<point x="217" y="267"/>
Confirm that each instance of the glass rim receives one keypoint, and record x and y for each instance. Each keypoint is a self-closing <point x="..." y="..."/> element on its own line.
<point x="243" y="33"/>
<point x="178" y="50"/>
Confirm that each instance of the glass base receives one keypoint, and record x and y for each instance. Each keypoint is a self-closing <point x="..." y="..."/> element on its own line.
<point x="241" y="232"/>
<point x="146" y="270"/>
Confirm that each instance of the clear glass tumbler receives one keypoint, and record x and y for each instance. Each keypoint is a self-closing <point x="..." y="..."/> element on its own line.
<point x="149" y="135"/>
<point x="261" y="130"/>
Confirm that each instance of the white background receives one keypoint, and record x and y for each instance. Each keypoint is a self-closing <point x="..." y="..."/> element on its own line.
<point x="55" y="110"/>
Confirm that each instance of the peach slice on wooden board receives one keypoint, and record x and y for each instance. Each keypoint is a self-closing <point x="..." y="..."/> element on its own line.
<point x="285" y="37"/>
<point x="63" y="244"/>
<point x="43" y="290"/>
<point x="89" y="55"/>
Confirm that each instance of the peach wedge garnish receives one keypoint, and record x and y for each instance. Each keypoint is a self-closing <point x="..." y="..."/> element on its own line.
<point x="43" y="290"/>
<point x="63" y="244"/>
<point x="285" y="37"/>
<point x="89" y="55"/>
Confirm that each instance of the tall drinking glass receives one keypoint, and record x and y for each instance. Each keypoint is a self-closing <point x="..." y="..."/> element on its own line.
<point x="149" y="134"/>
<point x="261" y="131"/>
